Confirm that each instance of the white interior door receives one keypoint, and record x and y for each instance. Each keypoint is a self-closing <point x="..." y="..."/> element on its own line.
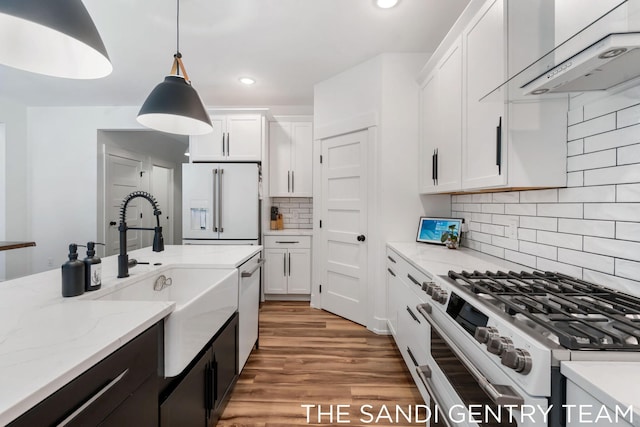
<point x="123" y="177"/>
<point x="162" y="190"/>
<point x="344" y="229"/>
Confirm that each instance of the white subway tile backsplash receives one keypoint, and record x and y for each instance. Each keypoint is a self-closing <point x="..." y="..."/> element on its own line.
<point x="583" y="259"/>
<point x="612" y="211"/>
<point x="575" y="147"/>
<point x="611" y="247"/>
<point x="564" y="210"/>
<point x="496" y="230"/>
<point x="475" y="226"/>
<point x="628" y="193"/>
<point x="297" y="212"/>
<point x="520" y="258"/>
<point x="505" y="242"/>
<point x="628" y="231"/>
<point x="527" y="234"/>
<point x="495" y="208"/>
<point x="481" y="198"/>
<point x="506" y="197"/>
<point x="591" y="127"/>
<point x="520" y="209"/>
<point x="599" y="159"/>
<point x="562" y="240"/>
<point x="629" y="154"/>
<point x="539" y="250"/>
<point x="575" y="116"/>
<point x="587" y="227"/>
<point x="472" y="207"/>
<point x="464" y="198"/>
<point x="618" y="138"/>
<point x="492" y="250"/>
<point x="549" y="224"/>
<point x="575" y="179"/>
<point x="629" y="116"/>
<point x="558" y="267"/>
<point x="539" y="196"/>
<point x="479" y="237"/>
<point x="603" y="193"/>
<point x="610" y="103"/>
<point x="481" y="217"/>
<point x="505" y="219"/>
<point x="619" y="283"/>
<point x="613" y="175"/>
<point x="472" y="244"/>
<point x="457" y="207"/>
<point x="627" y="269"/>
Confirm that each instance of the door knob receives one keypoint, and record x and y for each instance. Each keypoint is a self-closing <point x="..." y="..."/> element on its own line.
<point x="113" y="223"/>
<point x="361" y="238"/>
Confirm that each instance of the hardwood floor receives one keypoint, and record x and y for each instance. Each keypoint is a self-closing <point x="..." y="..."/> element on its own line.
<point x="311" y="357"/>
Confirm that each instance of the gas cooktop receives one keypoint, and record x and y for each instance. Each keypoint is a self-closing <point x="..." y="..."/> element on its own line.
<point x="574" y="313"/>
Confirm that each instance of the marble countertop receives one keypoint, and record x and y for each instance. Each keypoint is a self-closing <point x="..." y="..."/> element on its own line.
<point x="47" y="340"/>
<point x="612" y="383"/>
<point x="289" y="232"/>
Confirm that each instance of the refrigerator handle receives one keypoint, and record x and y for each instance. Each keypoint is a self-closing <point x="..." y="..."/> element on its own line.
<point x="220" y="199"/>
<point x="213" y="214"/>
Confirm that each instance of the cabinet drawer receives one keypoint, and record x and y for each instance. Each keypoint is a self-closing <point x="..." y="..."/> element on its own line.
<point x="106" y="386"/>
<point x="287" y="241"/>
<point x="407" y="273"/>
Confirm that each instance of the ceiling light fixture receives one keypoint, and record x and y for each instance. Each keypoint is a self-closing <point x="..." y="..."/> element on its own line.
<point x="247" y="81"/>
<point x="55" y="38"/>
<point x="174" y="106"/>
<point x="386" y="4"/>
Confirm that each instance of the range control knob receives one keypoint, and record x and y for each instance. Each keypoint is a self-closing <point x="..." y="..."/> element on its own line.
<point x="439" y="295"/>
<point x="428" y="287"/>
<point x="499" y="345"/>
<point x="517" y="359"/>
<point x="483" y="334"/>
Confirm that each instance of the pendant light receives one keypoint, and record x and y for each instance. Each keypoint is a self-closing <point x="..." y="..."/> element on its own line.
<point x="174" y="106"/>
<point x="56" y="38"/>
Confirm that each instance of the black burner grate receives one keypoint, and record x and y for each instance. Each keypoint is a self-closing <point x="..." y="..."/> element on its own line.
<point x="581" y="314"/>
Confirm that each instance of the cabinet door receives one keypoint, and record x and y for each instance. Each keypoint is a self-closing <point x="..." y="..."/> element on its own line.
<point x="301" y="159"/>
<point x="209" y="147"/>
<point x="299" y="271"/>
<point x="190" y="402"/>
<point x="225" y="364"/>
<point x="140" y="409"/>
<point x="449" y="87"/>
<point x="484" y="147"/>
<point x="244" y="137"/>
<point x="279" y="159"/>
<point x="393" y="296"/>
<point x="429" y="128"/>
<point x="275" y="275"/>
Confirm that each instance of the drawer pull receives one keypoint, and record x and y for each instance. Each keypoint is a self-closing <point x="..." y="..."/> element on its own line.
<point x="413" y="279"/>
<point x="413" y="358"/>
<point x="254" y="269"/>
<point x="413" y="315"/>
<point x="287" y="242"/>
<point x="391" y="271"/>
<point x="93" y="398"/>
<point x="391" y="259"/>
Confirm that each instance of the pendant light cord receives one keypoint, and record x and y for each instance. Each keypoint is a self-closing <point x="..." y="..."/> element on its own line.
<point x="177" y="27"/>
<point x="177" y="58"/>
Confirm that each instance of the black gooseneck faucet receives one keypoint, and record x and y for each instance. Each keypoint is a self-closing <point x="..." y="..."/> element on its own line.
<point x="158" y="240"/>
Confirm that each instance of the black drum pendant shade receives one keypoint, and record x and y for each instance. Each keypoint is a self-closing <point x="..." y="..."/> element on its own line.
<point x="56" y="38"/>
<point x="174" y="106"/>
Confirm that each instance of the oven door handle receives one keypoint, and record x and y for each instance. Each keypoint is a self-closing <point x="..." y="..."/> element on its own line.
<point x="499" y="394"/>
<point x="424" y="372"/>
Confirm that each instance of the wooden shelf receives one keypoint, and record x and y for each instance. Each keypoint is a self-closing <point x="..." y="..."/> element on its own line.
<point x="5" y="246"/>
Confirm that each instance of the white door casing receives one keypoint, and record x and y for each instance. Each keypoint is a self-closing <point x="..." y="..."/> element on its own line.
<point x="344" y="216"/>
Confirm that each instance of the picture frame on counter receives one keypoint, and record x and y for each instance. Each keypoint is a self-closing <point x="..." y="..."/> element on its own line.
<point x="438" y="230"/>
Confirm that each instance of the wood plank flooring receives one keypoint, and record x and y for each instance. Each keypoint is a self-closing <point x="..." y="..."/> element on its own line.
<point x="311" y="357"/>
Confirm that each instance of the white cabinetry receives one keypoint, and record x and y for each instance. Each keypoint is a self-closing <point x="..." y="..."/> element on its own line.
<point x="235" y="137"/>
<point x="287" y="264"/>
<point x="290" y="158"/>
<point x="441" y="124"/>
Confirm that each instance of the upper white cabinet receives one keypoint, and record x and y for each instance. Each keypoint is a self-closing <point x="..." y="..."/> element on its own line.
<point x="441" y="124"/>
<point x="467" y="112"/>
<point x="290" y="158"/>
<point x="235" y="137"/>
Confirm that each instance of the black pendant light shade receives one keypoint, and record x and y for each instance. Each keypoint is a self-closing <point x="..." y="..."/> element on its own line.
<point x="175" y="107"/>
<point x="53" y="37"/>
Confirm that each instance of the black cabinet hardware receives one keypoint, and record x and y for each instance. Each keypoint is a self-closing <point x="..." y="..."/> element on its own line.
<point x="391" y="272"/>
<point x="499" y="146"/>
<point x="361" y="238"/>
<point x="413" y="315"/>
<point x="413" y="359"/>
<point x="413" y="279"/>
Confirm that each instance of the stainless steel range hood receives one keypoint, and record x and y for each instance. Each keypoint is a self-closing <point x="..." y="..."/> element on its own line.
<point x="608" y="62"/>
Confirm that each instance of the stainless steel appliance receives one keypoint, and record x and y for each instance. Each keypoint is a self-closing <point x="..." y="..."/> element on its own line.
<point x="497" y="339"/>
<point x="220" y="203"/>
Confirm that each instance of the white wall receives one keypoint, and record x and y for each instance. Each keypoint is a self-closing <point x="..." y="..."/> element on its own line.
<point x="591" y="229"/>
<point x="16" y="215"/>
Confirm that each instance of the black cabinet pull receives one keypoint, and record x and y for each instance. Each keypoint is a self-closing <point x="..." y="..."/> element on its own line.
<point x="433" y="167"/>
<point x="289" y="263"/>
<point x="436" y="166"/>
<point x="391" y="259"/>
<point x="413" y="315"/>
<point x="413" y="359"/>
<point x="499" y="146"/>
<point x="413" y="279"/>
<point x="391" y="271"/>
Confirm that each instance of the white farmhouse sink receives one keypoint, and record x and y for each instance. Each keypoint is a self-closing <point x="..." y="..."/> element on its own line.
<point x="205" y="298"/>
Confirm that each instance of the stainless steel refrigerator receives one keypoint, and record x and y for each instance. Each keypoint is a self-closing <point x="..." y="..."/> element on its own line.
<point x="220" y="203"/>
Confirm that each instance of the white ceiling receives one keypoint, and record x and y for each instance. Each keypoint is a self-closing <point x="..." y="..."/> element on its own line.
<point x="286" y="45"/>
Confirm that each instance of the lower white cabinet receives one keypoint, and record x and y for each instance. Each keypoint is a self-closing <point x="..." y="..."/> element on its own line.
<point x="287" y="264"/>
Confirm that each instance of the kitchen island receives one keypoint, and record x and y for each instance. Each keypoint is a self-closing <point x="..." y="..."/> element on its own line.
<point x="47" y="340"/>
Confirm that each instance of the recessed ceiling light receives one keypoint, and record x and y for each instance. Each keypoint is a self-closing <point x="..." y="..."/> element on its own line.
<point x="386" y="4"/>
<point x="246" y="80"/>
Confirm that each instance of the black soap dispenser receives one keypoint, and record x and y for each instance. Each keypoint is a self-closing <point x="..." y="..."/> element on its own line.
<point x="73" y="274"/>
<point x="92" y="268"/>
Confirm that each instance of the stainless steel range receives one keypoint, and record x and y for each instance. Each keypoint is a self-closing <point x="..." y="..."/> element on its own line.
<point x="497" y="340"/>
